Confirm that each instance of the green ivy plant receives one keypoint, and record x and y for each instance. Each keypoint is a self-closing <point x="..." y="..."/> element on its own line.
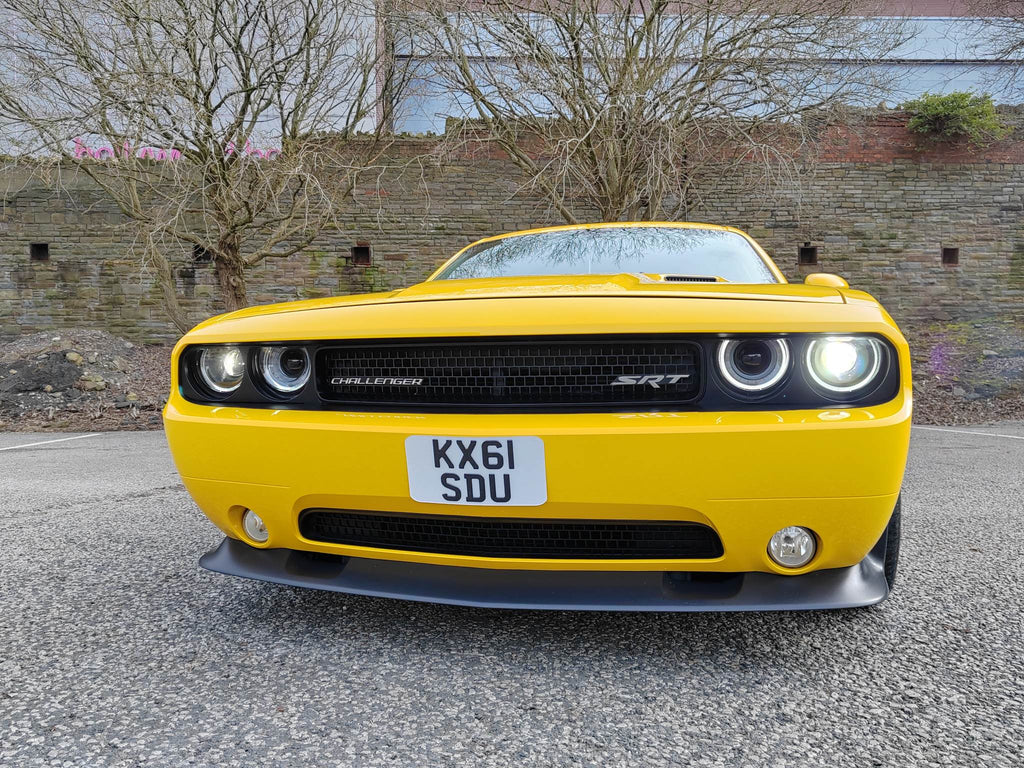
<point x="956" y="116"/>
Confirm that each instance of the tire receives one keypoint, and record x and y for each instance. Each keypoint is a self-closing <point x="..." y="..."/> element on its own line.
<point x="892" y="545"/>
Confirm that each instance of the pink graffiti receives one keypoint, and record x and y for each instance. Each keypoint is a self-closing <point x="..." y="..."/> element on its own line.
<point x="81" y="150"/>
<point x="249" y="149"/>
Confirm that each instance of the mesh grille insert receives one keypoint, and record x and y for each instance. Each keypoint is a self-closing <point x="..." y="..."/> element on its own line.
<point x="532" y="372"/>
<point x="512" y="537"/>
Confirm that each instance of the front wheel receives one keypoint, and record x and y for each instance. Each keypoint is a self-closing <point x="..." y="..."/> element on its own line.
<point x="892" y="545"/>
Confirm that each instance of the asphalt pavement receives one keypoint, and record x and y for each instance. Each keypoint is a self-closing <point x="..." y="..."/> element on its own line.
<point x="116" y="649"/>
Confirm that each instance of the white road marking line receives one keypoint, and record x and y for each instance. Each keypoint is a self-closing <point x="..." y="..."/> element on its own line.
<point x="970" y="432"/>
<point x="47" y="442"/>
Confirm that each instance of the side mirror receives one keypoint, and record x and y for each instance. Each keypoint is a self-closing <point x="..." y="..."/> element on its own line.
<point x="825" y="280"/>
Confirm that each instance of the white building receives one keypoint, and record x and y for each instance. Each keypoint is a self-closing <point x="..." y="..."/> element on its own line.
<point x="949" y="50"/>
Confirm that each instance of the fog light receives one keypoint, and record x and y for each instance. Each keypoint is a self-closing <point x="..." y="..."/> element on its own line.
<point x="792" y="547"/>
<point x="254" y="527"/>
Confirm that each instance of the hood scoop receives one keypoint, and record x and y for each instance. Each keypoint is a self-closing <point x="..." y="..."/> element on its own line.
<point x="648" y="278"/>
<point x="691" y="279"/>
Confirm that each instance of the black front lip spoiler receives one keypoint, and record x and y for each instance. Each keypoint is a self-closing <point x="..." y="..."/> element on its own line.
<point x="858" y="585"/>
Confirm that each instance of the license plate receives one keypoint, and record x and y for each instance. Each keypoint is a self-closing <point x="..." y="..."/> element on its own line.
<point x="483" y="471"/>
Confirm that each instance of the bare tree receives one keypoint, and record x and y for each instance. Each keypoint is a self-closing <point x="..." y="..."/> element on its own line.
<point x="998" y="37"/>
<point x="235" y="128"/>
<point x="1001" y="23"/>
<point x="636" y="110"/>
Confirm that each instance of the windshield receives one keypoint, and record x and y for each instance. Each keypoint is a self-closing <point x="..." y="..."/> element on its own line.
<point x="695" y="252"/>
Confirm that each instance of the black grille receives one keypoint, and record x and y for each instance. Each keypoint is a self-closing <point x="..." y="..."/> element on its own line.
<point x="517" y="373"/>
<point x="512" y="537"/>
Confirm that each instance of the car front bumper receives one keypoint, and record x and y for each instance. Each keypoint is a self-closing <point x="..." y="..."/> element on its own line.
<point x="745" y="474"/>
<point x="854" y="586"/>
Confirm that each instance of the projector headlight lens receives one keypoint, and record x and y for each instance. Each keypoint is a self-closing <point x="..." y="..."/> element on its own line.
<point x="753" y="365"/>
<point x="222" y="368"/>
<point x="844" y="363"/>
<point x="284" y="369"/>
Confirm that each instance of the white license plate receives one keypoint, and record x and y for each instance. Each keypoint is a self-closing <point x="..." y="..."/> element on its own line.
<point x="484" y="471"/>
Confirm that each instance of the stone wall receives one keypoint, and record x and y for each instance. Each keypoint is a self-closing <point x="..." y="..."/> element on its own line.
<point x="883" y="226"/>
<point x="878" y="208"/>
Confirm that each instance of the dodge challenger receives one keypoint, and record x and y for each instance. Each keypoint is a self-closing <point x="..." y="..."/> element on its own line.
<point x="604" y="416"/>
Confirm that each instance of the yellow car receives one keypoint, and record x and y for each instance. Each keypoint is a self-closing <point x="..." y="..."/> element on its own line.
<point x="640" y="416"/>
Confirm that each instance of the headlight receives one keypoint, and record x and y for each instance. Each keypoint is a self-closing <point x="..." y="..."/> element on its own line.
<point x="753" y="365"/>
<point x="284" y="369"/>
<point x="221" y="368"/>
<point x="844" y="363"/>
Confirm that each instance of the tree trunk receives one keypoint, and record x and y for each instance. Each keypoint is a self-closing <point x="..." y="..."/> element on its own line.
<point x="230" y="272"/>
<point x="169" y="291"/>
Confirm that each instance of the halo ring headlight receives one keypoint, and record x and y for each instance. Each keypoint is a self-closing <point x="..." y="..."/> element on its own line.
<point x="221" y="368"/>
<point x="284" y="369"/>
<point x="754" y="365"/>
<point x="842" y="364"/>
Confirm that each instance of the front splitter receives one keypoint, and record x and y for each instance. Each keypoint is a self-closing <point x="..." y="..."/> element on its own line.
<point x="858" y="585"/>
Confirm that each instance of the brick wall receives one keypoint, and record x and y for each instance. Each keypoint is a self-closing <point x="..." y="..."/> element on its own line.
<point x="878" y="208"/>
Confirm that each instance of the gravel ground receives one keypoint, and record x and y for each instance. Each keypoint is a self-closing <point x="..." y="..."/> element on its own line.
<point x="81" y="379"/>
<point x="968" y="372"/>
<point x="119" y="651"/>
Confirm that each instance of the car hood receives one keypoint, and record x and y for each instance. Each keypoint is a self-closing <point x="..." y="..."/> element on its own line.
<point x="632" y="285"/>
<point x="598" y="304"/>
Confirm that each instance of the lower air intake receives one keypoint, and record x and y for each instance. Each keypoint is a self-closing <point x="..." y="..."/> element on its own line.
<point x="512" y="537"/>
